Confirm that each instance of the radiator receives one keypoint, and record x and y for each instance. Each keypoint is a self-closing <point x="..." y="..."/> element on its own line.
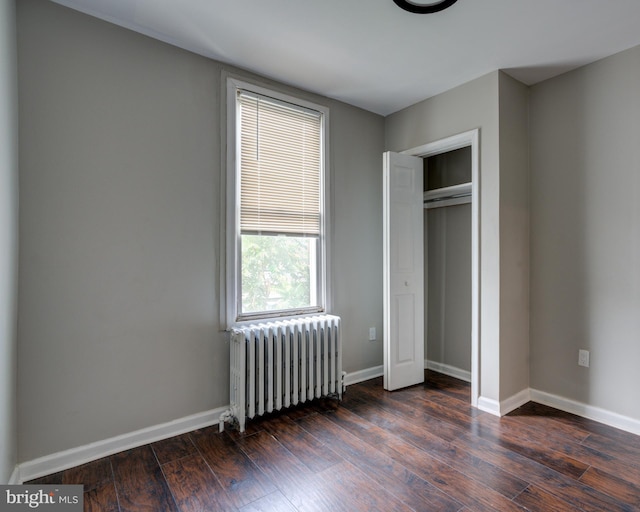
<point x="279" y="364"/>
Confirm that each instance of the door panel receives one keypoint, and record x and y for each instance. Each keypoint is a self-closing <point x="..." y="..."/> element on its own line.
<point x="403" y="271"/>
<point x="405" y="351"/>
<point x="401" y="238"/>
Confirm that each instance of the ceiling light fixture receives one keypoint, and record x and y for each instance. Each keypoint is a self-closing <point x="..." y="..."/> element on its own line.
<point x="424" y="7"/>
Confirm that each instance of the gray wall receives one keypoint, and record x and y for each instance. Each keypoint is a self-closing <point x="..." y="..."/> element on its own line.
<point x="514" y="236"/>
<point x="585" y="232"/>
<point x="120" y="230"/>
<point x="469" y="106"/>
<point x="448" y="301"/>
<point x="498" y="105"/>
<point x="357" y="143"/>
<point x="8" y="237"/>
<point x="447" y="239"/>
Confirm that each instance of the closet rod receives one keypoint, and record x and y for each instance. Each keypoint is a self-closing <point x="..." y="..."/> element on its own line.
<point x="450" y="201"/>
<point x="461" y="190"/>
<point x="448" y="196"/>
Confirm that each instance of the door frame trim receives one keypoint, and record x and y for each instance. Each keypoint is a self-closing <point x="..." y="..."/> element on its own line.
<point x="471" y="139"/>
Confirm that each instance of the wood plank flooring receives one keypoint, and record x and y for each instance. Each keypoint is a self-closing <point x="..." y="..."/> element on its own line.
<point x="423" y="448"/>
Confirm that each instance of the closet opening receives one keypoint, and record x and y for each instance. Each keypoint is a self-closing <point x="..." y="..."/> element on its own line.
<point x="447" y="262"/>
<point x="452" y="227"/>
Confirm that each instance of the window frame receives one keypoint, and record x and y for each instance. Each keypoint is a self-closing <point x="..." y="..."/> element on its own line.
<point x="233" y="249"/>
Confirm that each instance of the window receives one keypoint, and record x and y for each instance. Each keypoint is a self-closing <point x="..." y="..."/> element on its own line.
<point x="277" y="217"/>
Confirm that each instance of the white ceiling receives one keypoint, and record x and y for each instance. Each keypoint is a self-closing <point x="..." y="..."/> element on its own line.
<point x="370" y="53"/>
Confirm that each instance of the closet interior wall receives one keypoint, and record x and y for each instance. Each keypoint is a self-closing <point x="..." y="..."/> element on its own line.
<point x="447" y="250"/>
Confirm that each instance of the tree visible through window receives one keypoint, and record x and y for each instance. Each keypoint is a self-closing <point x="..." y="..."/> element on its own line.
<point x="279" y="179"/>
<point x="277" y="273"/>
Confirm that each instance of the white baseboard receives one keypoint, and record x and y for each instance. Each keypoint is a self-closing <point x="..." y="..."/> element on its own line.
<point x="515" y="401"/>
<point x="66" y="459"/>
<point x="449" y="370"/>
<point x="489" y="405"/>
<point x="505" y="406"/>
<point x="591" y="412"/>
<point x="362" y="375"/>
<point x="14" y="479"/>
<point x="82" y="454"/>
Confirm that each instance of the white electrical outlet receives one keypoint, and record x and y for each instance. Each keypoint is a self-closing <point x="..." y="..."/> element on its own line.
<point x="372" y="334"/>
<point x="583" y="358"/>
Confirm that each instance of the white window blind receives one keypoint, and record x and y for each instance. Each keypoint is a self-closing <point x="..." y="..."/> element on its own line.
<point x="280" y="167"/>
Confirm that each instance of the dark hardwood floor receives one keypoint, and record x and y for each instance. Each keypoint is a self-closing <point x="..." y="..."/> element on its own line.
<point x="423" y="448"/>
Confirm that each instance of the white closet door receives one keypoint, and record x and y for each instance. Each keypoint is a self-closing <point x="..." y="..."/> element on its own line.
<point x="403" y="271"/>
